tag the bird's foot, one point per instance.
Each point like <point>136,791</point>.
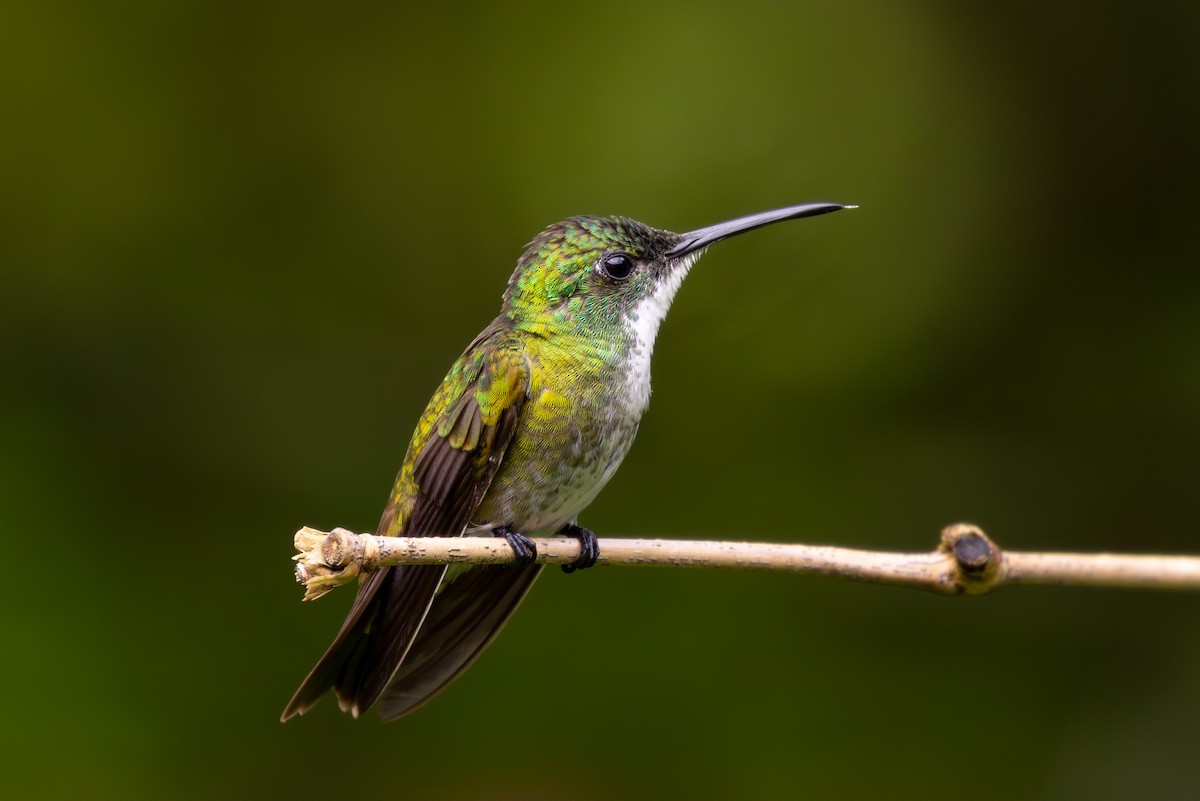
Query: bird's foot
<point>524,551</point>
<point>589,547</point>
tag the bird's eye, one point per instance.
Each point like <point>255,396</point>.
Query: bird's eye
<point>617,266</point>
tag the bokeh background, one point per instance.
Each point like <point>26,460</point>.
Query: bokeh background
<point>243,241</point>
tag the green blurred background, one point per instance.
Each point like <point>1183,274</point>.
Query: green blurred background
<point>243,241</point>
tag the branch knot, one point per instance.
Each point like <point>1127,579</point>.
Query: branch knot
<point>978,562</point>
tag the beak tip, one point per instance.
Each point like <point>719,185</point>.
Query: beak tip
<point>695,240</point>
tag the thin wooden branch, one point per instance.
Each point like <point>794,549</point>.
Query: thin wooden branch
<point>966,561</point>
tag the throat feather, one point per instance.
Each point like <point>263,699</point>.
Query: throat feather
<point>642,328</point>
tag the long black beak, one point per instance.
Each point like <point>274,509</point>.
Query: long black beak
<point>694,240</point>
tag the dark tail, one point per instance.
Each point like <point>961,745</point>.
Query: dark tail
<point>468,613</point>
<point>371,645</point>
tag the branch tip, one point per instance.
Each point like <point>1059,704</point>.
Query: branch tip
<point>324,563</point>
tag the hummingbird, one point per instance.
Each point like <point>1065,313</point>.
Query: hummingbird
<point>527,427</point>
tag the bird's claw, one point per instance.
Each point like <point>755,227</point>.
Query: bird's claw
<point>589,547</point>
<point>524,550</point>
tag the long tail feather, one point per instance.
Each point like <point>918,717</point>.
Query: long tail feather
<point>469,612</point>
<point>377,633</point>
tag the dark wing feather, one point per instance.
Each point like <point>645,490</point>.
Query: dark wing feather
<point>398,600</point>
<point>467,614</point>
<point>458,447</point>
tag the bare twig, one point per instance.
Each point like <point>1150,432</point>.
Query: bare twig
<point>965,561</point>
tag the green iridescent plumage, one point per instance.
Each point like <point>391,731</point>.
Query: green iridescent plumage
<point>524,431</point>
